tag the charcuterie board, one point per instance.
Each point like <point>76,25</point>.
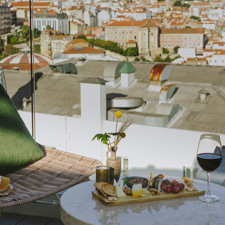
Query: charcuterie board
<point>130,199</point>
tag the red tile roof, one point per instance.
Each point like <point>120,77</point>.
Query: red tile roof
<point>84,50</point>
<point>127,23</point>
<point>26,4</point>
<point>182,31</point>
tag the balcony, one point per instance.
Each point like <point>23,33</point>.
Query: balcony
<point>148,145</point>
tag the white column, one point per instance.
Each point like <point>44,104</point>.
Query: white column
<point>93,113</point>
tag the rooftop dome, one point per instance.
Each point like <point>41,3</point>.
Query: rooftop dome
<point>22,60</point>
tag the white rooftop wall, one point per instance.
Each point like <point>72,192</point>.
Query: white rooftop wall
<point>148,149</point>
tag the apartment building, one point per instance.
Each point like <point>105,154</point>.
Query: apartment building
<point>149,39</point>
<point>57,21</point>
<point>22,9</point>
<point>5,19</point>
<point>123,31</point>
<point>53,42</point>
<point>184,37</point>
<point>77,27</point>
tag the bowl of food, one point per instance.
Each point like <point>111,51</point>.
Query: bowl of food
<point>130,181</point>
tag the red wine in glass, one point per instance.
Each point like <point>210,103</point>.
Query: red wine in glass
<point>209,157</point>
<point>209,161</point>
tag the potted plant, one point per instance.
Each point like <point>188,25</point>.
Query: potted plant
<point>106,139</point>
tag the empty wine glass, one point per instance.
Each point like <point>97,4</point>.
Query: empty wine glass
<point>209,157</point>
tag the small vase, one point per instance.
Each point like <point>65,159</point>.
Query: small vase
<point>114,163</point>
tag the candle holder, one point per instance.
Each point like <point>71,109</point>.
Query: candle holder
<point>103,174</point>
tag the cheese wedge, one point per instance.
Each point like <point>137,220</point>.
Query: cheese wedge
<point>119,192</point>
<point>121,184</point>
<point>145,192</point>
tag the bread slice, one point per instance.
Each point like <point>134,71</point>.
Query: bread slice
<point>98,185</point>
<point>109,190</point>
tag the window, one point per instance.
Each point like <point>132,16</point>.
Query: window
<point>164,38</point>
<point>135,37</point>
<point>168,45</point>
<point>172,45</point>
<point>177,38</point>
<point>172,38</point>
<point>164,45</point>
<point>130,32</point>
<point>168,38</point>
<point>189,38</point>
<point>180,38</point>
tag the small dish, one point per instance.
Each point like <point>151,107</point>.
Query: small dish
<point>137,180</point>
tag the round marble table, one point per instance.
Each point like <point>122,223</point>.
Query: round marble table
<point>79,207</point>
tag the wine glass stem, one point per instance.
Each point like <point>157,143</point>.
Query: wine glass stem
<point>208,184</point>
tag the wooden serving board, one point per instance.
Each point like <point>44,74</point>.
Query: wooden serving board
<point>130,199</point>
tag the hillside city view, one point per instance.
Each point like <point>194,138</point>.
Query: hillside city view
<point>68,66</point>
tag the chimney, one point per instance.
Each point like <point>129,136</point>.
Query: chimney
<point>127,75</point>
<point>93,112</point>
<point>93,99</point>
<point>203,95</point>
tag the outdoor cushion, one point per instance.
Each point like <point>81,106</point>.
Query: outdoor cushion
<point>17,147</point>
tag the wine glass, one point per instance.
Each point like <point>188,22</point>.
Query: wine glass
<point>209,157</point>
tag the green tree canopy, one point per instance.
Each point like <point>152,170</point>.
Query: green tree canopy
<point>195,18</point>
<point>186,5</point>
<point>13,40</point>
<point>10,50</point>
<point>48,27</point>
<point>82,37</point>
<point>177,3</point>
<point>175,49</point>
<point>165,51</point>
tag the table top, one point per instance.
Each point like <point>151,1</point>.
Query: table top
<point>78,206</point>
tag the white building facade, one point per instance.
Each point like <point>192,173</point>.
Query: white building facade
<point>57,21</point>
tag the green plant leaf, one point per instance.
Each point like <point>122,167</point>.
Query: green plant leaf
<point>104,138</point>
<point>125,180</point>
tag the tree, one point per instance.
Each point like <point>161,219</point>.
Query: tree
<point>175,49</point>
<point>186,5</point>
<point>131,52</point>
<point>10,50</point>
<point>13,40</point>
<point>177,3</point>
<point>195,18</point>
<point>187,27</point>
<point>136,59</point>
<point>158,59</point>
<point>82,37</point>
<point>165,51</point>
<point>48,27</point>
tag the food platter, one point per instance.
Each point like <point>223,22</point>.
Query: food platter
<point>157,189</point>
<point>147,198</point>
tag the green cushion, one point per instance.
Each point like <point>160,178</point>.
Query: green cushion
<point>17,147</point>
